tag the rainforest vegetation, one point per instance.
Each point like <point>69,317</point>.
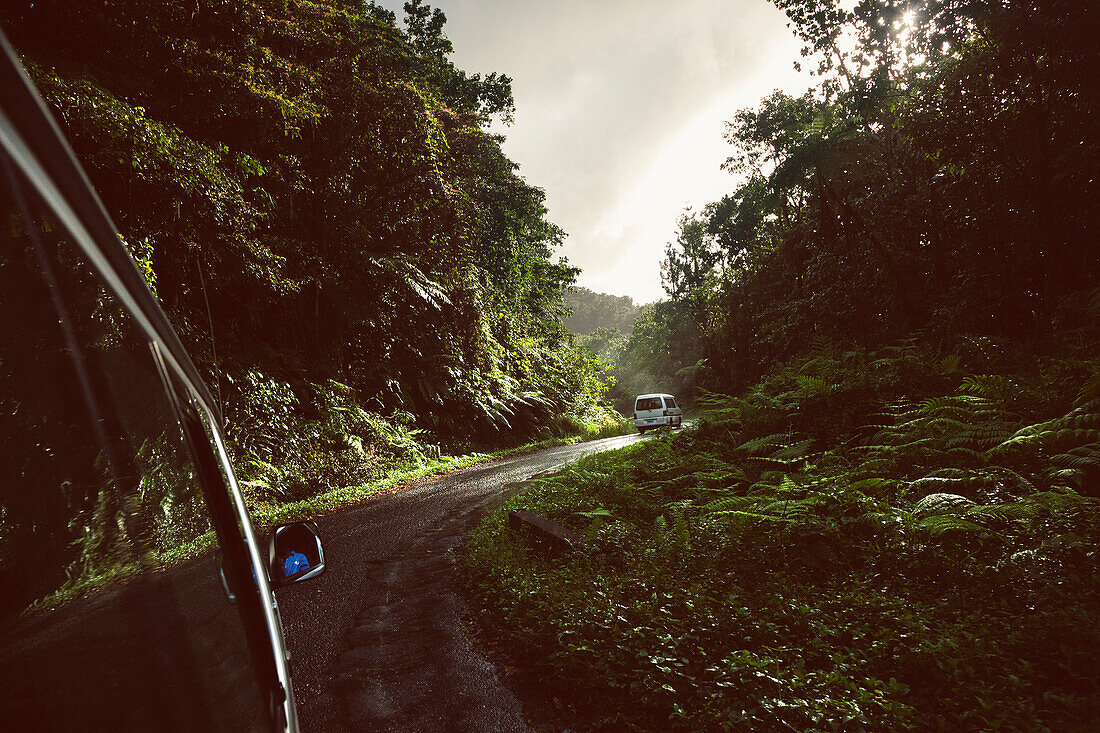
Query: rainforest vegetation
<point>887,515</point>
<point>312,191</point>
<point>590,311</point>
<point>625,338</point>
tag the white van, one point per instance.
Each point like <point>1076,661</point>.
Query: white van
<point>655,410</point>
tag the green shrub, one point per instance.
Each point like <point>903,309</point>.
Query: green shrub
<point>833,551</point>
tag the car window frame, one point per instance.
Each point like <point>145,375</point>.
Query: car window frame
<point>32,142</point>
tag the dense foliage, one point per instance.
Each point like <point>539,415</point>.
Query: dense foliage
<point>887,518</point>
<point>313,194</point>
<point>662,353</point>
<point>940,180</point>
<point>867,541</point>
<point>590,311</point>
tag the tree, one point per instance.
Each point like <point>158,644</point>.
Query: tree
<point>939,178</point>
<point>326,182</point>
<point>592,312</point>
<point>691,259</point>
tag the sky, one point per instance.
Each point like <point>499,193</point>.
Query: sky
<point>620,111</point>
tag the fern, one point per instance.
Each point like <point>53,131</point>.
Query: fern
<point>1072,438</point>
<point>681,532</point>
<point>1081,457</point>
<point>1034,437</point>
<point>751,515</point>
<point>939,524</point>
<point>766,441</point>
<point>949,364</point>
<point>941,504</point>
<point>792,451</point>
<point>719,479</point>
<point>986,514</point>
<point>814,385</point>
<point>799,510</point>
<point>991,386</point>
<point>1053,503</point>
<point>728,504</point>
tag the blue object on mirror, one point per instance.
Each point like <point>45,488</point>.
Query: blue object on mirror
<point>295,563</point>
<point>294,553</point>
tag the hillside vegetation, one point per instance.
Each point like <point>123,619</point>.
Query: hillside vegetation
<point>888,515</point>
<point>312,193</point>
<point>621,335</point>
<point>866,541</point>
<point>591,311</point>
<point>939,181</point>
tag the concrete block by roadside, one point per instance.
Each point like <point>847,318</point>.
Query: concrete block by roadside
<point>541,534</point>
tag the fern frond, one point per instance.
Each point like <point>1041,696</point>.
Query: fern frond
<point>756,444</point>
<point>814,384</point>
<point>1000,513</point>
<point>939,524</point>
<point>949,364</point>
<point>1034,436</point>
<point>941,504</point>
<point>792,451</point>
<point>989,385</point>
<point>729,503</point>
<point>877,520</point>
<point>750,515</point>
<point>720,479</point>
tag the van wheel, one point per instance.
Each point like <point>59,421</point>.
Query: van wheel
<point>641,431</point>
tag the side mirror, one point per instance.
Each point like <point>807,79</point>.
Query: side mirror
<point>294,554</point>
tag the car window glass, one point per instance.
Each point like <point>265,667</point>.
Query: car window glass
<point>113,612</point>
<point>649,403</point>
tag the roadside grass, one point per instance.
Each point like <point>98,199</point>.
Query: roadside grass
<point>611,427</point>
<point>884,544</point>
<point>292,463</point>
<point>265,514</point>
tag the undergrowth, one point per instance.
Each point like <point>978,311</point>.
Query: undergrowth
<point>296,456</point>
<point>320,447</point>
<point>868,541</point>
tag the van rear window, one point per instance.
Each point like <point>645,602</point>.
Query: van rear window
<point>648,403</point>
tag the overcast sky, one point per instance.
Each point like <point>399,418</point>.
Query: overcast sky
<point>620,110</point>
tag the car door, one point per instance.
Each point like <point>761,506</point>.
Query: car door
<point>114,615</point>
<point>673,410</point>
<point>648,411</point>
<point>134,595</point>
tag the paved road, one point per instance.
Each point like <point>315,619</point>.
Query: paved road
<point>375,641</point>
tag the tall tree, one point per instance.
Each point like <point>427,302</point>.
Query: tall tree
<point>691,259</point>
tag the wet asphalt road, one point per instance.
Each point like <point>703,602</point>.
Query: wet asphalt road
<point>376,641</point>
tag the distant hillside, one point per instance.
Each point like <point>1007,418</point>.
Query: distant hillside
<point>592,310</point>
